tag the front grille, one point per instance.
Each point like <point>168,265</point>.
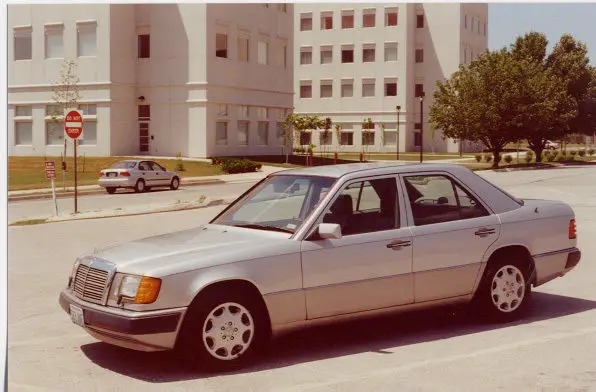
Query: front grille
<point>90,283</point>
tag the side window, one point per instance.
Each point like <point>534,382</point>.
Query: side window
<point>144,166</point>
<point>156,166</point>
<point>436,199</point>
<point>365,207</point>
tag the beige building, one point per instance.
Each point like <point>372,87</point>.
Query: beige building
<point>356,61</point>
<point>161,79</point>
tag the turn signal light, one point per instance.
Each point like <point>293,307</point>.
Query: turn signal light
<point>125,174</point>
<point>148,290</point>
<point>572,230</point>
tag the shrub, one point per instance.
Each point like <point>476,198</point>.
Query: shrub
<point>561,157</point>
<point>488,158</point>
<point>179,163</point>
<point>478,157</point>
<point>546,154</point>
<point>591,152</point>
<point>529,156</point>
<point>573,153</point>
<point>508,158</point>
<point>233,165</point>
<point>581,153</point>
<point>551,157</point>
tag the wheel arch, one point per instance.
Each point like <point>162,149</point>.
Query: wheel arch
<point>511,250</point>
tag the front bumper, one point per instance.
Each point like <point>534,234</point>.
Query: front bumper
<point>144,331</point>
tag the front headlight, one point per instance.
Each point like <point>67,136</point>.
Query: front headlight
<point>134,288</point>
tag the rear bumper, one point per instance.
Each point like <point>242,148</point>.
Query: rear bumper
<point>144,331</point>
<point>116,182</point>
<point>552,265</point>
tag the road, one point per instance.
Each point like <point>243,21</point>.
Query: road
<point>31,209</point>
<point>552,349</point>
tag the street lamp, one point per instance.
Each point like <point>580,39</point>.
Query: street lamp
<point>421,97</point>
<point>398,108</point>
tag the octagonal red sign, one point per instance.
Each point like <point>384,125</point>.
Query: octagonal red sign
<point>73,124</point>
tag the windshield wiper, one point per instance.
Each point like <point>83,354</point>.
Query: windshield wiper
<point>263,227</point>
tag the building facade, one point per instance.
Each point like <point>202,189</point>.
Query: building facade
<point>160,79</point>
<point>360,61</point>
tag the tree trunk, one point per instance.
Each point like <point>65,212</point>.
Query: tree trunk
<point>496,158</point>
<point>538,153</point>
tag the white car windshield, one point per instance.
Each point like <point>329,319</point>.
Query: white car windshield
<point>279,203</point>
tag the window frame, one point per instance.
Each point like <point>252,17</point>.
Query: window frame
<point>143,46</point>
<point>225,53</point>
<point>19,34</point>
<point>419,56</point>
<point>82,28</point>
<point>306,16</point>
<point>390,11</point>
<point>368,12</point>
<point>53,30</point>
<point>17,139</point>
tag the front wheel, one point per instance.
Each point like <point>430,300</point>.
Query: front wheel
<point>224,331</point>
<point>504,291</point>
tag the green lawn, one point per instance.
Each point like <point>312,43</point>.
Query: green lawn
<point>28,172</point>
<point>403,156</point>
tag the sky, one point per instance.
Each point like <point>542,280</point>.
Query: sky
<point>508,20</point>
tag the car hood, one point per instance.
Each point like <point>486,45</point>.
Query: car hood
<point>202,247</point>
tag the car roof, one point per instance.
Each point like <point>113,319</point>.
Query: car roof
<point>371,168</point>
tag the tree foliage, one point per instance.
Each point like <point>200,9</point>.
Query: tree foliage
<point>295,123</point>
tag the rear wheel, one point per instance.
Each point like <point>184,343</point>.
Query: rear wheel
<point>504,291</point>
<point>224,330</point>
<point>175,183</point>
<point>140,186</point>
<point>111,190</point>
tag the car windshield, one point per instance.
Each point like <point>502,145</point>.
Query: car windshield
<point>279,203</point>
<point>124,165</point>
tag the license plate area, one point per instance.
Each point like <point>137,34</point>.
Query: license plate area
<point>77,316</point>
<point>112,174</point>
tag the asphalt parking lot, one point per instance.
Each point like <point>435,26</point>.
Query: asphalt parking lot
<point>552,349</point>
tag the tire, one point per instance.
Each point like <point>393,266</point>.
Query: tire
<point>206,342</point>
<point>140,186</point>
<point>111,190</point>
<point>504,291</point>
<point>175,183</point>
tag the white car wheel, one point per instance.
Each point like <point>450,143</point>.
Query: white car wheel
<point>175,183</point>
<point>228,331</point>
<point>140,186</point>
<point>508,288</point>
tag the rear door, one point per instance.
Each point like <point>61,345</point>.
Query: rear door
<point>160,175</point>
<point>452,229</point>
<point>144,173</point>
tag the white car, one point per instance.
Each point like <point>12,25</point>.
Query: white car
<point>319,244</point>
<point>140,175</point>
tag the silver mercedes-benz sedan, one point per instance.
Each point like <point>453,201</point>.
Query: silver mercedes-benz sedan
<point>140,175</point>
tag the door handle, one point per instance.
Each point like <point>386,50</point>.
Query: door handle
<point>398,244</point>
<point>485,232</point>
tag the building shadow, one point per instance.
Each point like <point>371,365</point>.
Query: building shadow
<point>336,340</point>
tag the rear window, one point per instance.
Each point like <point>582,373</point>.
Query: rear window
<point>124,165</point>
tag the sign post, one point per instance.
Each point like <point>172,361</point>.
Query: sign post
<point>51,175</point>
<point>73,126</point>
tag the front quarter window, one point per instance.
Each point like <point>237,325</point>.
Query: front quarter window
<point>279,203</point>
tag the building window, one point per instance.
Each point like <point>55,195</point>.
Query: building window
<point>419,21</point>
<point>327,21</point>
<point>221,45</point>
<point>416,125</point>
<point>263,53</point>
<point>243,133</point>
<point>368,54</point>
<point>263,133</point>
<point>325,138</point>
<point>391,88</point>
<point>89,136</point>
<point>262,112</point>
<point>87,39</point>
<point>88,109</point>
<point>391,51</point>
<point>23,133</point>
<point>368,18</point>
<point>326,88</point>
<point>465,55</point>
<point>390,136</point>
<point>347,138</point>
<point>306,90</point>
<point>347,19</point>
<point>419,55</point>
<point>54,111</point>
<point>221,133</point>
<point>144,43</point>
<point>223,110</point>
<point>465,21</point>
<point>283,7</point>
<point>391,17</point>
<point>417,138</point>
<point>347,88</point>
<point>484,29</point>
<point>23,111</point>
<point>54,44</point>
<point>54,133</point>
<point>284,56</point>
<point>144,112</point>
<point>368,87</point>
<point>22,44</point>
<point>368,138</point>
<point>243,111</point>
<point>306,22</point>
<point>326,54</point>
<point>347,55</point>
<point>305,56</point>
<point>418,89</point>
<point>305,138</point>
<point>243,45</point>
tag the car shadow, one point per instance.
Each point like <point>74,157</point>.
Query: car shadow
<point>336,340</point>
<point>126,191</point>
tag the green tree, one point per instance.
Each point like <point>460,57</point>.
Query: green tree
<point>294,124</point>
<point>478,102</point>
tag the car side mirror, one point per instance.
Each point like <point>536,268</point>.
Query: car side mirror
<point>329,231</point>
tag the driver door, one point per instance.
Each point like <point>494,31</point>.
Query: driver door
<point>370,266</point>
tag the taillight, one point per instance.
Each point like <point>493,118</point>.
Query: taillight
<point>125,174</point>
<point>101,174</point>
<point>572,230</point>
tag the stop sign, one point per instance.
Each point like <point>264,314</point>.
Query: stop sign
<point>73,124</point>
